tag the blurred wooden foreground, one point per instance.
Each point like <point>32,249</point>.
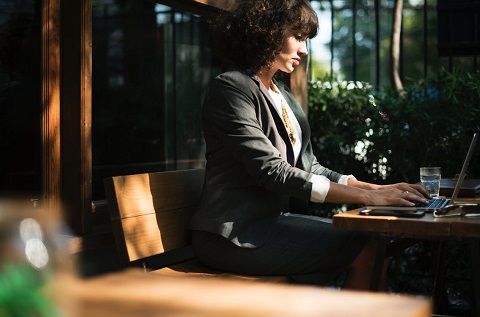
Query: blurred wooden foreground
<point>136,293</point>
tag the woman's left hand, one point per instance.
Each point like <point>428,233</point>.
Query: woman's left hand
<point>410,188</point>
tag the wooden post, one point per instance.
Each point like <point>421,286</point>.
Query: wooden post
<point>51,171</point>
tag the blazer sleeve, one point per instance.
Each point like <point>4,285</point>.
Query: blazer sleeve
<point>319,169</point>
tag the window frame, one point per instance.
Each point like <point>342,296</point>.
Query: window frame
<point>67,108</point>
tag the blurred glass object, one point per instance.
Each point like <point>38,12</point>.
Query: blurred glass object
<point>33,259</point>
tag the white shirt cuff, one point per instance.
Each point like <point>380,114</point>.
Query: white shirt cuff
<point>320,187</point>
<point>344,179</point>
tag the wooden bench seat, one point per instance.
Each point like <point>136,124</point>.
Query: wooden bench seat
<point>150,214</point>
<point>134,293</point>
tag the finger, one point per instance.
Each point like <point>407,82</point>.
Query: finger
<point>420,191</point>
<point>406,202</point>
<point>416,189</point>
<point>413,197</point>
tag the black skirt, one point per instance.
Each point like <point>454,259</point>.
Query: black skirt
<point>305,248</point>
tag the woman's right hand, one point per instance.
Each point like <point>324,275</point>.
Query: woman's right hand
<point>394,196</point>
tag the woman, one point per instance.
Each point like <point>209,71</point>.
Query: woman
<point>261,171</point>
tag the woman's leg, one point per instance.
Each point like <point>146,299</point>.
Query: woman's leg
<point>297,245</point>
<point>360,272</point>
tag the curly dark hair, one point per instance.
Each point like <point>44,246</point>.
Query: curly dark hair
<point>251,35</point>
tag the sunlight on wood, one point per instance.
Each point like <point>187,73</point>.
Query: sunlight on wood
<point>134,293</point>
<point>134,200</point>
<point>51,105</point>
<point>150,212</point>
<point>134,196</point>
<point>142,237</point>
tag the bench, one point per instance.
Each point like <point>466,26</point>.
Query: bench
<point>150,213</point>
<point>134,293</point>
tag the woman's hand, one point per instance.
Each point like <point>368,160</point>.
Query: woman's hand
<point>398,194</point>
<point>358,192</point>
<point>411,188</point>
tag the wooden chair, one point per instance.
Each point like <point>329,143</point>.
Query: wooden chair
<point>150,214</point>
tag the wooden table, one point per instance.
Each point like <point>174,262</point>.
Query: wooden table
<point>427,227</point>
<point>136,293</point>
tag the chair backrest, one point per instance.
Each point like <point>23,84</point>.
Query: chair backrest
<point>150,212</point>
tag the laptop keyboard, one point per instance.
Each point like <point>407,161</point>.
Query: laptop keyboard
<point>435,203</point>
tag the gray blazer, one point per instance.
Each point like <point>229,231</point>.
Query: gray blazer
<point>250,178</point>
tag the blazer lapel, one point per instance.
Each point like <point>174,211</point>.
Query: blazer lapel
<point>278,120</point>
<point>301,118</point>
<point>299,115</point>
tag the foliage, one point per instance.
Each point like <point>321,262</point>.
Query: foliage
<point>412,272</point>
<point>340,113</point>
<point>357,38</point>
<point>432,126</point>
<point>21,293</point>
<point>380,137</point>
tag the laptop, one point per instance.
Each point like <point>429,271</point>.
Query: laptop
<point>439,203</point>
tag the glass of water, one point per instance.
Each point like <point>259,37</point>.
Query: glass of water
<point>430,179</point>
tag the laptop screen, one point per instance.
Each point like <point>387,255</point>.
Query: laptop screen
<point>463,172</point>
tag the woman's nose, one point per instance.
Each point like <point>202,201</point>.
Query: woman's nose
<point>302,50</point>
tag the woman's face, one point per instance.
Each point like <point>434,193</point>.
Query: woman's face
<point>294,48</point>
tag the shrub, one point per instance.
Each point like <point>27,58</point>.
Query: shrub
<point>381,137</point>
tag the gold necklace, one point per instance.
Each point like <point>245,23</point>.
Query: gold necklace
<point>286,119</point>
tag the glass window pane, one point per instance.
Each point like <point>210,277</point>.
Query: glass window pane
<point>20,96</point>
<point>151,67</point>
